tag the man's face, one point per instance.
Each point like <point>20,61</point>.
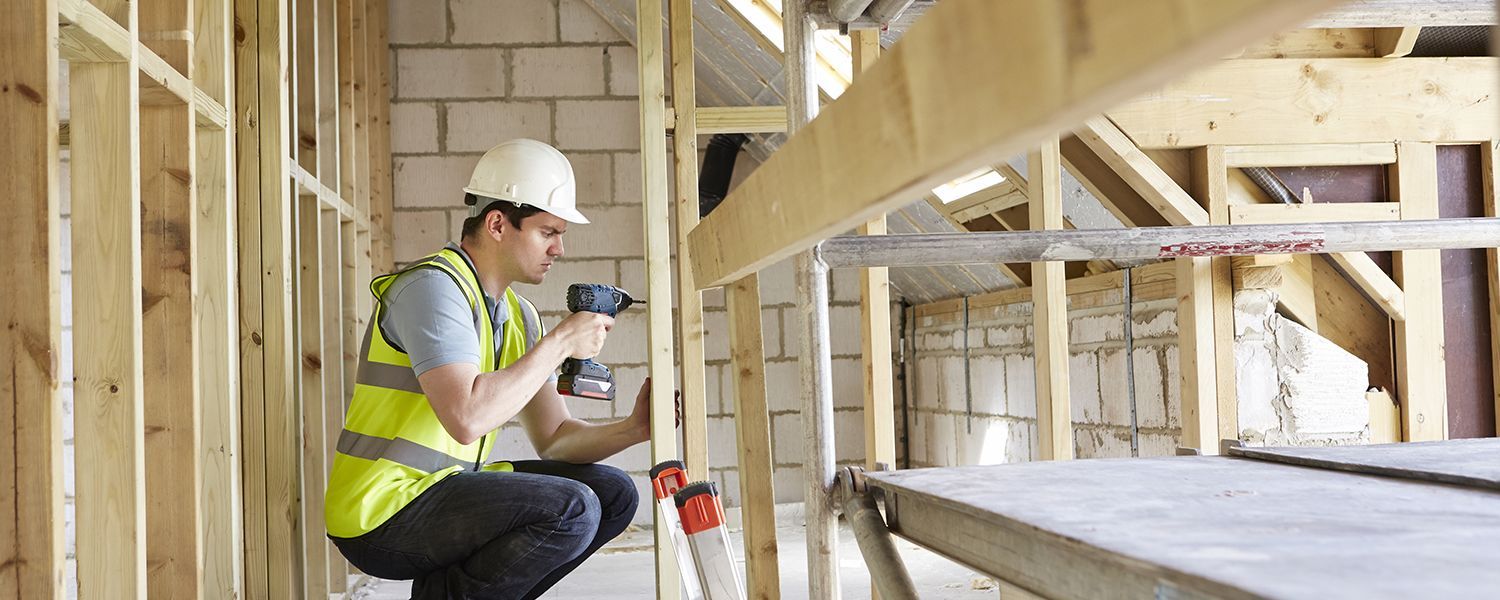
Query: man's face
<point>534,246</point>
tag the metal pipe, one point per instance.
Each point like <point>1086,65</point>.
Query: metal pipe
<point>817,363</point>
<point>933,249</point>
<point>882,559</point>
<point>845,11</point>
<point>885,11</point>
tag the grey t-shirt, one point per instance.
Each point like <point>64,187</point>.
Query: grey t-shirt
<point>428,316</point>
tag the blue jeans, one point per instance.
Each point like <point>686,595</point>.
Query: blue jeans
<point>496,534</point>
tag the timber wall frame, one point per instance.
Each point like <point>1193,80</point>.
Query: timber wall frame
<point>1052,75</point>
<point>229,200</point>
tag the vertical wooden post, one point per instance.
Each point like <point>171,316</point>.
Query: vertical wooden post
<point>331,361</point>
<point>812,300</point>
<point>1195,347</point>
<point>248,180</point>
<point>360,67</point>
<point>655,207</point>
<point>217,329</point>
<point>1049,309</point>
<point>327,168</point>
<point>314,432</point>
<point>1211,188</point>
<point>349,134</point>
<point>379,209</point>
<point>689,299</point>
<point>169,262</point>
<point>1489,169</point>
<point>108,388</point>
<point>752,420</point>
<point>1421,378</point>
<point>875,311</point>
<point>31,478</point>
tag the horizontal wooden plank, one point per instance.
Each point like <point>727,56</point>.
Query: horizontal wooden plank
<point>924,114</point>
<point>1406,13</point>
<point>1268,214</point>
<point>1151,282</point>
<point>1236,528</point>
<point>1472,462</point>
<point>308,185</point>
<point>1309,155</point>
<point>741,119</point>
<point>210,113</point>
<point>1319,101</point>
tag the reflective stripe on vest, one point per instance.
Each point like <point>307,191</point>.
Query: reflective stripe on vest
<point>393,447</point>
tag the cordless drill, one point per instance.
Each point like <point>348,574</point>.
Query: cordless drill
<point>586,378</point>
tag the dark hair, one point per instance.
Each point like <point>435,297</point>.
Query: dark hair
<point>515,213</point>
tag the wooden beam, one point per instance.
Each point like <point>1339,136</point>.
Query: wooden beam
<point>689,299</point>
<point>1266,214</point>
<point>1405,13</point>
<point>1489,170</point>
<point>1109,188</point>
<point>1394,42</point>
<point>349,183</point>
<point>875,315</point>
<point>108,379</point>
<point>1373,282</point>
<point>359,65</point>
<point>1049,309</point>
<point>1196,364</point>
<point>315,440</point>
<point>305,79</point>
<point>1421,375</point>
<point>1211,187</point>
<point>940,95</point>
<point>1310,155</point>
<point>740,119</point>
<point>752,422</point>
<point>656,208</point>
<point>1141,173</point>
<point>1272,101</point>
<point>32,563</point>
<point>1156,281</point>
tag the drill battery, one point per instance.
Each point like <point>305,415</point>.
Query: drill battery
<point>586,379</point>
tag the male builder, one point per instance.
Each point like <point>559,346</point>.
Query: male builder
<point>452,354</point>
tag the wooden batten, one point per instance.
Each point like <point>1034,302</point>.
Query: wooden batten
<point>875,316</point>
<point>379,208</point>
<point>753,436</point>
<point>331,363</point>
<point>1421,377</point>
<point>1211,187</point>
<point>1489,169</point>
<point>311,388</point>
<point>689,300</point>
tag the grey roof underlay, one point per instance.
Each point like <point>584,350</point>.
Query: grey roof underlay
<point>734,70</point>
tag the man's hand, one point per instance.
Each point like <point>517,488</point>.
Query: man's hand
<point>582,333</point>
<point>640,418</point>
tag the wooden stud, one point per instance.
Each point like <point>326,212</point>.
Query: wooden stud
<point>935,115</point>
<point>1406,13</point>
<point>315,441</point>
<point>360,67</point>
<point>331,363</point>
<point>1113,192</point>
<point>1373,282</point>
<point>1489,169</point>
<point>689,299</point>
<point>753,433</point>
<point>1196,363</point>
<point>248,180</point>
<point>649,53</point>
<point>1211,186</point>
<point>875,313</point>
<point>222,537</point>
<point>378,103</point>
<point>1269,101</point>
<point>108,379</point>
<point>306,101</point>
<point>1421,376</point>
<point>1049,304</point>
<point>32,562</point>
<point>1309,155</point>
<point>349,133</point>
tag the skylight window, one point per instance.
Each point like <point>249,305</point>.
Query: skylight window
<point>968,184</point>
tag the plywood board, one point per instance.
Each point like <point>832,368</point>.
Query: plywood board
<point>1472,462</point>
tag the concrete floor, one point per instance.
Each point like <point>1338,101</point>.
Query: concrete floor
<point>624,569</point>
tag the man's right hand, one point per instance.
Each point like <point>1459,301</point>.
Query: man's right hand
<point>582,333</point>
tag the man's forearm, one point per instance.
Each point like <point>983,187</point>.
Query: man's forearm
<point>580,442</point>
<point>497,396</point>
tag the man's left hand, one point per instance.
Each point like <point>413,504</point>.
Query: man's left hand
<point>641,416</point>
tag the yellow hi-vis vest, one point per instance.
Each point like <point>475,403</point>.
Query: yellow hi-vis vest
<point>393,447</point>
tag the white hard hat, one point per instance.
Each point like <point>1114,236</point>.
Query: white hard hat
<point>526,172</point>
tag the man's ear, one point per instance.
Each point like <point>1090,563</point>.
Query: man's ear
<point>495,224</point>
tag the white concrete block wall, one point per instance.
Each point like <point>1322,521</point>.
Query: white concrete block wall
<point>1294,387</point>
<point>481,71</point>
